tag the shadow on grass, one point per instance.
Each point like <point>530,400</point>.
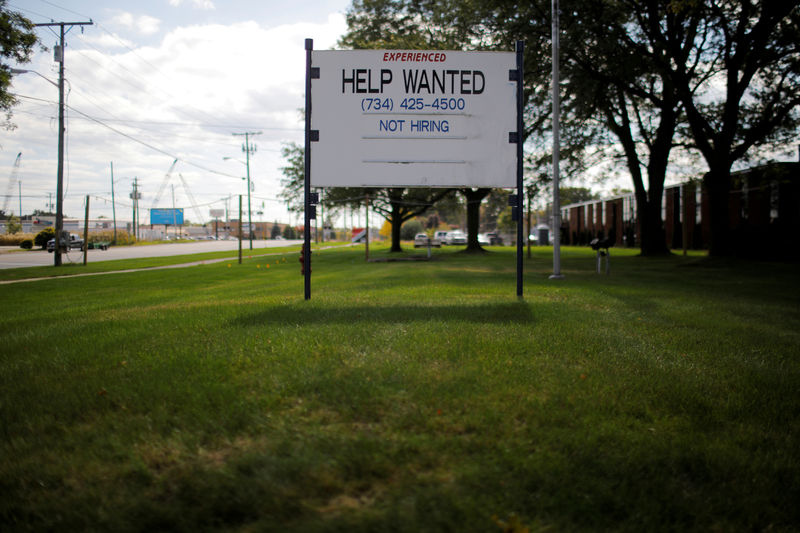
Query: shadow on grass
<point>516,312</point>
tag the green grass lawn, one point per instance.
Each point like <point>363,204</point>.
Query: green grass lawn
<point>408,397</point>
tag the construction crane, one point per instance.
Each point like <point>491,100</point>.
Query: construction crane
<point>164,184</point>
<point>12,181</point>
<point>191,199</point>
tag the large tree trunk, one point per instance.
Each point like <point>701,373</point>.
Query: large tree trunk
<point>474,198</point>
<point>718,187</point>
<point>648,202</point>
<point>651,229</point>
<point>397,222</point>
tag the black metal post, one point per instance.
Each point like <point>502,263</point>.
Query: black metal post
<point>307,177</point>
<point>520,140</point>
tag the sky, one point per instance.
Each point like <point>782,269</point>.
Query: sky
<point>157,80</point>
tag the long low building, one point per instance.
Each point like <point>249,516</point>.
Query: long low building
<point>764,213</point>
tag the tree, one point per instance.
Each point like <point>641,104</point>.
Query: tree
<point>17,40</point>
<point>603,92</point>
<point>576,195</point>
<point>275,231</point>
<point>289,232</point>
<point>397,205</point>
<point>612,99</point>
<point>12,224</point>
<point>740,85</point>
<point>474,197</point>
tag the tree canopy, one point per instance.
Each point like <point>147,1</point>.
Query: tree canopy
<point>719,77</point>
<point>17,40</point>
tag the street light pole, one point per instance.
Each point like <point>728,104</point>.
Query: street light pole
<point>247,149</point>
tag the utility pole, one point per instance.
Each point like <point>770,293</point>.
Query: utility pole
<point>59,56</point>
<point>113,205</point>
<point>174,222</point>
<point>86,233</point>
<point>135,195</point>
<point>247,149</point>
<point>228,215</point>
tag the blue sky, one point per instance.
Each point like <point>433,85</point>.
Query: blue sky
<point>156,80</point>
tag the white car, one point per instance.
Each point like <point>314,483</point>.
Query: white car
<point>421,240</point>
<point>440,236</point>
<point>456,237</point>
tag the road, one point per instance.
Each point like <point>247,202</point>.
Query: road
<point>16,258</point>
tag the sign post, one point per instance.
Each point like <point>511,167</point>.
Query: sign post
<point>413,118</point>
<point>307,177</point>
<point>520,138</point>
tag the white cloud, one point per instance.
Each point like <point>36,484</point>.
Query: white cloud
<point>144,24</point>
<point>106,40</point>
<point>199,4</point>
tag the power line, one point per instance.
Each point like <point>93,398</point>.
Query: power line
<point>65,9</point>
<point>132,138</point>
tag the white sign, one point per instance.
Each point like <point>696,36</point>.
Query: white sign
<point>217,213</point>
<point>413,119</point>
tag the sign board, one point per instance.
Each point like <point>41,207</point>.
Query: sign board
<point>166,216</point>
<point>217,213</point>
<point>413,119</point>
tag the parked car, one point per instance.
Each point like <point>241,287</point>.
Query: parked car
<point>440,236</point>
<point>456,237</point>
<point>483,240</point>
<point>494,239</point>
<point>73,243</point>
<point>422,240</point>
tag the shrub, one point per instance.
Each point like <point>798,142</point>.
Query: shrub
<point>410,229</point>
<point>15,239</point>
<point>43,236</point>
<point>27,244</point>
<point>123,237</point>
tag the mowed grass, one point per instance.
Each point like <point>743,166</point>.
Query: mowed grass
<point>409,396</point>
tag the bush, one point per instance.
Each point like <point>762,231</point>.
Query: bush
<point>15,239</point>
<point>123,237</point>
<point>410,229</point>
<point>43,236</point>
<point>27,244</point>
